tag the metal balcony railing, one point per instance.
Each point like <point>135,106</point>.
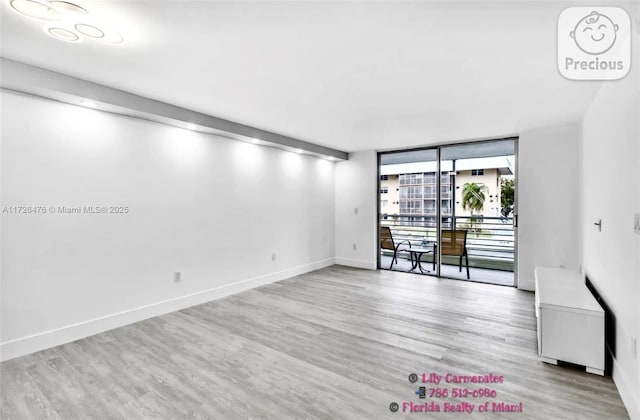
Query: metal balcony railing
<point>490,240</point>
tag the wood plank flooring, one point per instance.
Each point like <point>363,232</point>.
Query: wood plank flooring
<point>337,343</point>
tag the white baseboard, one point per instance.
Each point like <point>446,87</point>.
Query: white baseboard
<point>629,398</point>
<point>350,262</point>
<point>44,340</point>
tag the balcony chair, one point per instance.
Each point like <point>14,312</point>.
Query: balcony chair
<point>454,242</point>
<point>387,242</point>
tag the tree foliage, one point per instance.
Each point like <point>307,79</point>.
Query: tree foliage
<point>473,197</point>
<point>507,197</point>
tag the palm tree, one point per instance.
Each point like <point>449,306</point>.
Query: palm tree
<point>473,199</point>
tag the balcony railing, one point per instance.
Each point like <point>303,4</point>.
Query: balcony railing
<point>445,195</point>
<point>490,240</point>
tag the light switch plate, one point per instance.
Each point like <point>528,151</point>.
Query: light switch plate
<point>636,223</point>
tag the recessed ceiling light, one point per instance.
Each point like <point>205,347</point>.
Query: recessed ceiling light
<point>69,7</point>
<point>89,104</point>
<point>255,141</point>
<point>298,150</point>
<point>191,126</point>
<point>35,9</point>
<point>331,158</point>
<point>89,30</point>
<point>63,34</point>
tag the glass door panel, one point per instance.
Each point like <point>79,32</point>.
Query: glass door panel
<point>477,233</point>
<point>408,211</point>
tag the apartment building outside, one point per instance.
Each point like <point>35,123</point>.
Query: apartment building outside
<point>410,198</point>
<point>390,194</point>
<point>489,179</point>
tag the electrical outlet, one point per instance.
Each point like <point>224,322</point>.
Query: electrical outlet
<point>177,276</point>
<point>636,223</point>
<point>355,246</point>
<point>355,210</point>
<point>273,257</point>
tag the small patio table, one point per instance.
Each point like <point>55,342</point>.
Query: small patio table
<point>416,253</point>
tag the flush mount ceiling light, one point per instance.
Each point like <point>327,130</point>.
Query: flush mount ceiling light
<point>63,34</point>
<point>75,20</point>
<point>69,7</point>
<point>89,30</point>
<point>35,9</point>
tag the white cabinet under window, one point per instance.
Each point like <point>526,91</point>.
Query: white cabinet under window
<point>570,320</point>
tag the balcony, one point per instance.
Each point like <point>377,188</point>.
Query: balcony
<point>490,244</point>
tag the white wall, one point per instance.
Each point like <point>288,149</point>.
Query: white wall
<point>356,188</point>
<point>548,205</point>
<point>214,209</point>
<point>610,191</point>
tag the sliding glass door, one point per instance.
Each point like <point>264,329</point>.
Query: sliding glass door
<point>450,210</point>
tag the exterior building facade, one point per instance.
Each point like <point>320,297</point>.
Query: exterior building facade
<point>419,199</point>
<point>411,198</point>
<point>489,179</point>
<point>390,194</point>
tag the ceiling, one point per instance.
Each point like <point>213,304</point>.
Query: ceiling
<point>352,76</point>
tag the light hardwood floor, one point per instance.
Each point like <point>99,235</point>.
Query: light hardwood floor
<point>337,343</point>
